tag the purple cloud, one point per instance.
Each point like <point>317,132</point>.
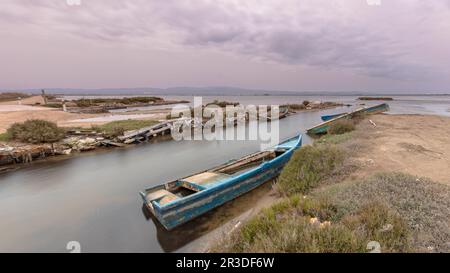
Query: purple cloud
<point>395,40</point>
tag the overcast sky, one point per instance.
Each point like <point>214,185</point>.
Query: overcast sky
<point>299,45</point>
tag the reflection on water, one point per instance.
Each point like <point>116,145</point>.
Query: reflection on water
<point>192,230</point>
<point>93,198</point>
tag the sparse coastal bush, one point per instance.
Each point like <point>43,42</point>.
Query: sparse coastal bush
<point>223,103</point>
<point>424,204</point>
<point>333,139</point>
<point>9,96</point>
<point>126,101</point>
<point>307,167</point>
<point>375,98</point>
<point>377,222</point>
<point>341,127</point>
<point>304,224</point>
<point>5,137</point>
<point>295,107</point>
<point>36,131</point>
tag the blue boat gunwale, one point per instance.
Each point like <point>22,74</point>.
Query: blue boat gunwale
<point>330,117</point>
<point>225,183</point>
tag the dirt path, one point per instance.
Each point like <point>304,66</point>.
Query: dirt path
<point>413,144</point>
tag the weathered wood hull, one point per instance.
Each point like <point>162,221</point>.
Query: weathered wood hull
<point>177,212</point>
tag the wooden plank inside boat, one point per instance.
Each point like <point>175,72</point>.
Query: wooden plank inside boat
<point>163,196</point>
<point>244,162</point>
<point>205,177</point>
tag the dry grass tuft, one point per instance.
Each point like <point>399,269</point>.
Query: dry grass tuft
<point>308,167</point>
<point>424,204</point>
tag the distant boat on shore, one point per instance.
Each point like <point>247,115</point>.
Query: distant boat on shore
<point>376,98</point>
<point>322,128</point>
<point>179,201</point>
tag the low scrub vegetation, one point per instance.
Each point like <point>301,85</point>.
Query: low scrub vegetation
<point>35,131</point>
<point>5,137</point>
<point>9,96</point>
<point>341,127</point>
<point>117,128</point>
<point>125,101</point>
<point>307,167</point>
<point>333,139</point>
<point>375,98</point>
<point>223,103</point>
<point>303,224</point>
<point>424,204</point>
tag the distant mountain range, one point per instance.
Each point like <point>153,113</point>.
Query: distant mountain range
<point>208,91</point>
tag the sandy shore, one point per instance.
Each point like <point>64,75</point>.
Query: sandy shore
<point>13,111</point>
<point>61,118</point>
<point>413,144</point>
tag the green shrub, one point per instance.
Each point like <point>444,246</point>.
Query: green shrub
<point>424,204</point>
<point>53,105</point>
<point>36,131</point>
<point>127,101</point>
<point>223,104</point>
<point>333,139</point>
<point>9,96</point>
<point>295,107</point>
<point>307,167</point>
<point>378,223</point>
<point>287,227</point>
<point>5,137</point>
<point>341,127</point>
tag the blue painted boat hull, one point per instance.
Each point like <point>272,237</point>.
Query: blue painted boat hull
<point>328,117</point>
<point>322,128</point>
<point>185,209</point>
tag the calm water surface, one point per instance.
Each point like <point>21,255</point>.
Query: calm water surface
<point>93,198</point>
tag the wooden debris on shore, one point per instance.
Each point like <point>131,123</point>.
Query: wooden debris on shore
<point>108,142</point>
<point>24,153</point>
<point>147,132</point>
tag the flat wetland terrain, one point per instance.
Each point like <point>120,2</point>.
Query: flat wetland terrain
<point>388,181</point>
<point>413,144</point>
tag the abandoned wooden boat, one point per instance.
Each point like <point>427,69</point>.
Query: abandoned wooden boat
<point>322,128</point>
<point>179,201</point>
<point>284,111</point>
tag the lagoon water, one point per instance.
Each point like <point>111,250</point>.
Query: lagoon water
<point>93,198</point>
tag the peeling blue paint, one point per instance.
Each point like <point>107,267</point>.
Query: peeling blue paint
<point>181,210</point>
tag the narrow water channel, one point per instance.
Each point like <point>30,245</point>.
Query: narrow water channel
<point>93,198</point>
